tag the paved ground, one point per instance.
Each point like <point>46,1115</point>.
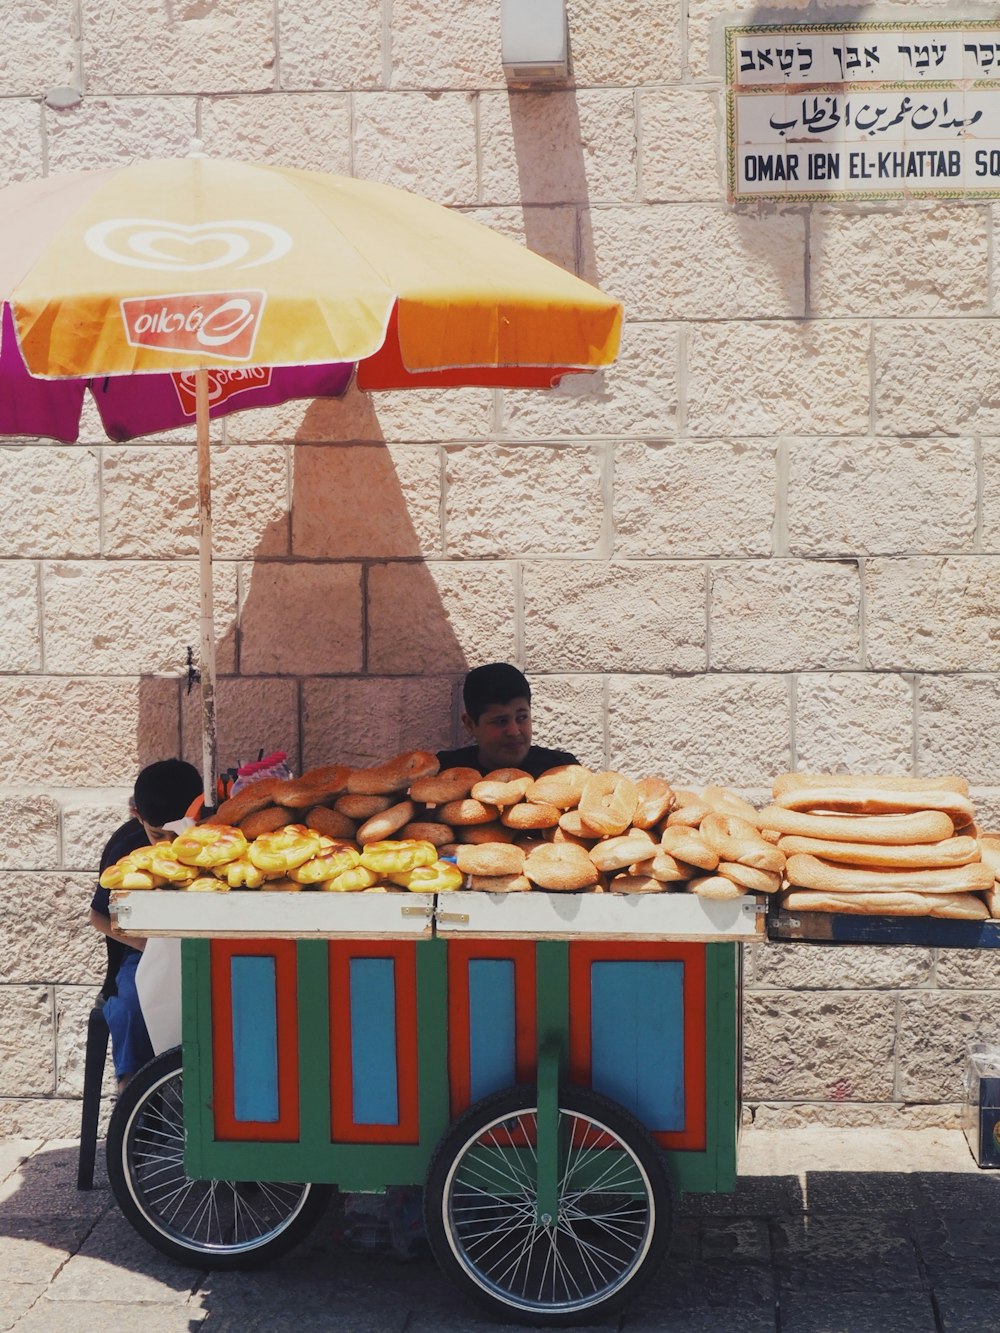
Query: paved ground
<point>829,1232</point>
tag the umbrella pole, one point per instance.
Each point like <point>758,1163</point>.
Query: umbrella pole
<point>208,730</point>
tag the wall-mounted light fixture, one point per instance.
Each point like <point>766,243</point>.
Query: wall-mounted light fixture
<point>534,41</point>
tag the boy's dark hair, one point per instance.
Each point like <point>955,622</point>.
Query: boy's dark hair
<point>164,790</point>
<point>496,683</point>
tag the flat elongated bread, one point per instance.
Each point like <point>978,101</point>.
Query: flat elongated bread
<point>894,782</point>
<point>926,826</point>
<point>966,906</point>
<point>913,856</point>
<point>876,800</point>
<point>809,872</point>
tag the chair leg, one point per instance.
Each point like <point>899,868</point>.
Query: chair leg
<point>93,1079</point>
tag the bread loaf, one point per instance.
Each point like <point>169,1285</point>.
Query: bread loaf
<point>963,906</point>
<point>809,872</point>
<point>915,856</point>
<point>876,800</point>
<point>925,826</point>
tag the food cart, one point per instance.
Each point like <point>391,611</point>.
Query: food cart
<point>552,1067</point>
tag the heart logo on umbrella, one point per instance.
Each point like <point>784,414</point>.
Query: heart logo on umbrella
<point>179,247</point>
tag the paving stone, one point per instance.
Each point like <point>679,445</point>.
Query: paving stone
<point>968,1310</point>
<point>16,1298</point>
<point>845,1253</point>
<point>114,1263</point>
<point>874,1311</point>
<point>48,1315</point>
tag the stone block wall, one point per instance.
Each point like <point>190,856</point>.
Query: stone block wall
<point>768,537</point>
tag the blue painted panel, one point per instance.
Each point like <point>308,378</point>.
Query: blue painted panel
<point>492,1045</point>
<point>637,1038</point>
<point>255,1039</point>
<point>373,1041</point>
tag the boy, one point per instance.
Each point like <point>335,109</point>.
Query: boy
<point>163,792</point>
<point>497,718</point>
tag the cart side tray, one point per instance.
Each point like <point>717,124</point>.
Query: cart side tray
<point>569,916</point>
<point>243,914</point>
<point>924,931</point>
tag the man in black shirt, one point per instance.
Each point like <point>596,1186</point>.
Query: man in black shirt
<point>497,717</point>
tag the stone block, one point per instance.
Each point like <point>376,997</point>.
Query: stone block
<point>550,499</point>
<point>249,501</point>
<point>683,152</point>
<point>113,131</point>
<point>97,617</point>
<point>900,260</point>
<point>445,46</point>
<point>86,827</point>
<point>437,616</point>
<point>40,48</point>
<point>329,46</point>
<point>929,613</point>
<point>33,832</point>
<point>300,619</point>
<point>652,257</point>
<point>252,713</point>
<point>389,126</point>
<point>937,377</point>
<point>372,502</point>
<point>142,46</point>
<point>785,615</point>
<point>987,802</point>
<point>895,1116</point>
<point>558,147</point>
<point>591,616</point>
<point>313,129</point>
<point>20,135</point>
<point>766,378</point>
<point>699,498</point>
<point>568,713</point>
<point>698,730</point>
<point>819,1046</point>
<point>854,722</point>
<point>935,1028</point>
<point>27,1067</point>
<point>72,1009</point>
<point>638,395</point>
<point>990,450</point>
<point>795,967</point>
<point>48,503</point>
<point>958,729</point>
<point>549,231</point>
<point>21,644</point>
<point>46,932</point>
<point>88,732</point>
<point>881,497</point>
<point>969,969</point>
<point>365,721</point>
<point>625,44</point>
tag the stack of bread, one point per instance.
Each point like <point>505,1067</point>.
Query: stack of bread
<point>880,845</point>
<point>405,824</point>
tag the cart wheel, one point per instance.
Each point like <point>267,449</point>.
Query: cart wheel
<point>614,1208</point>
<point>207,1223</point>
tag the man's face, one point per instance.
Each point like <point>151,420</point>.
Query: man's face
<point>503,733</point>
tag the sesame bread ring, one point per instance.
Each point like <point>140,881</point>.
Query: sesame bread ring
<point>355,880</point>
<point>656,796</point>
<point>571,823</point>
<point>267,821</point>
<point>209,845</point>
<point>441,877</point>
<point>386,823</point>
<point>726,802</point>
<point>394,775</point>
<point>490,858</point>
<point>688,813</point>
<point>750,878</point>
<point>494,832</point>
<point>716,887</point>
<point>686,844</point>
<point>207,884</point>
<point>637,884</point>
<point>559,834</point>
<point>669,869</point>
<point>617,853</point>
<point>451,784</point>
<point>503,786</point>
<point>242,874</point>
<point>331,823</point>
<point>530,815</point>
<point>253,797</point>
<point>315,787</point>
<point>736,840</point>
<point>424,831</point>
<point>361,807</point>
<point>284,849</point>
<point>332,860</point>
<point>500,883</point>
<point>467,811</point>
<point>392,858</point>
<point>561,786</point>
<point>560,867</point>
<point>608,802</point>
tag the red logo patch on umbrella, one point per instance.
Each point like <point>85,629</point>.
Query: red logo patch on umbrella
<point>222,324</point>
<point>222,385</point>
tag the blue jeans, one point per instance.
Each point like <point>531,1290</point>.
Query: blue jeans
<point>130,1044</point>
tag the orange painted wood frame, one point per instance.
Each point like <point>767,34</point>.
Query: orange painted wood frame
<point>581,956</point>
<point>343,1126</point>
<point>460,954</point>
<point>286,1128</point>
